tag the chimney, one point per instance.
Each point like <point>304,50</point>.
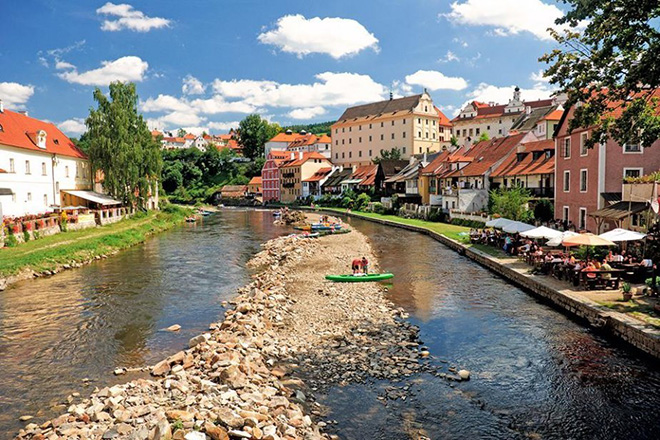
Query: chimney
<point>293,155</point>
<point>23,112</point>
<point>491,104</point>
<point>300,155</point>
<point>528,110</point>
<point>2,107</point>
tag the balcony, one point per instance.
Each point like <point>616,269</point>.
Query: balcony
<point>542,192</point>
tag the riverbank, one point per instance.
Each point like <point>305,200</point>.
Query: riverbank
<point>52,254</point>
<point>243,378</point>
<point>625,325</point>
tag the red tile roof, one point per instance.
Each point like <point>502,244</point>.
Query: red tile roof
<point>297,161</point>
<point>485,154</point>
<point>283,137</point>
<point>485,111</point>
<point>256,180</point>
<point>367,173</point>
<point>319,175</point>
<point>189,136</point>
<point>514,165</point>
<point>553,116</point>
<point>20,131</point>
<point>310,139</point>
<point>444,120</point>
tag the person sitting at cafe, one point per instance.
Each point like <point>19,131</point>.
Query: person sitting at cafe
<point>606,266</point>
<point>646,262</point>
<point>618,258</point>
<point>590,268</point>
<point>596,264</point>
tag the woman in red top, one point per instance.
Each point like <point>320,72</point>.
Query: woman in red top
<point>356,266</point>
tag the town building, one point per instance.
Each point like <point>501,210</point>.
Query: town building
<point>530,165</point>
<point>298,168</point>
<point>406,182</point>
<point>388,169</point>
<point>592,179</point>
<point>38,163</point>
<point>254,186</point>
<point>333,184</point>
<point>270,175</point>
<point>312,186</point>
<point>411,124</point>
<point>363,178</point>
<point>311,142</point>
<point>281,141</point>
<point>498,120</point>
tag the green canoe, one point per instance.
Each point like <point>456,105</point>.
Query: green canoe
<point>359,278</point>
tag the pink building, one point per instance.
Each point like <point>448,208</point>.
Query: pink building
<point>587,180</point>
<point>270,175</point>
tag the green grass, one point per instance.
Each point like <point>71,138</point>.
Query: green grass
<point>643,312</point>
<point>76,246</point>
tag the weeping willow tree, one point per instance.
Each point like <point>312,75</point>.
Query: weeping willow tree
<point>121,146</point>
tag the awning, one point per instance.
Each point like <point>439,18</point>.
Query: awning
<point>620,210</point>
<point>517,227</point>
<point>6,192</point>
<point>498,222</point>
<point>541,232</point>
<point>95,197</point>
<point>622,235</point>
<point>351,181</point>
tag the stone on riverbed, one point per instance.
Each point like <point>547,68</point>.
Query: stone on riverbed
<point>173,328</point>
<point>464,374</point>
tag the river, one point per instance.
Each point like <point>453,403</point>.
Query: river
<point>535,372</point>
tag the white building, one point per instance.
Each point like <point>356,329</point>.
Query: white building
<point>37,163</point>
<point>311,142</point>
<point>281,141</point>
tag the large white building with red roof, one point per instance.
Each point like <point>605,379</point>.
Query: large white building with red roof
<point>37,163</point>
<point>499,120</point>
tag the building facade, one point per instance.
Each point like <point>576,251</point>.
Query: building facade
<point>311,142</point>
<point>497,120</point>
<point>37,163</point>
<point>412,124</point>
<point>270,175</point>
<point>589,179</point>
<point>300,167</point>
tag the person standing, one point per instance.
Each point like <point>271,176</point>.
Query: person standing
<point>365,265</point>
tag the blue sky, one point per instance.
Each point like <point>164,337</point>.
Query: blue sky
<point>206,64</point>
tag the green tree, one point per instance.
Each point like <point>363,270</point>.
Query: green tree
<point>609,61</point>
<point>484,137</point>
<point>510,203</point>
<point>121,145</point>
<point>253,133</point>
<point>82,142</point>
<point>454,141</point>
<point>394,153</point>
<point>544,210</point>
<point>181,132</point>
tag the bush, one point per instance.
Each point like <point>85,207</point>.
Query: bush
<point>346,202</point>
<point>36,235</point>
<point>649,281</point>
<point>378,208</point>
<point>11,241</point>
<point>362,201</point>
<point>26,236</point>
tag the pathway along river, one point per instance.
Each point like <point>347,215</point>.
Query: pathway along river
<point>535,373</point>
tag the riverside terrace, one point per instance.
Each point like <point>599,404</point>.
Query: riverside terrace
<point>585,270</point>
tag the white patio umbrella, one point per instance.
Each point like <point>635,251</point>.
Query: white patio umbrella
<point>514,227</point>
<point>498,223</point>
<point>541,232</point>
<point>556,241</point>
<point>619,234</point>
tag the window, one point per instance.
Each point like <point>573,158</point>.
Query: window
<point>426,135</point>
<point>350,154</point>
<point>382,137</point>
<point>29,197</point>
<point>566,151</point>
<point>350,129</point>
<point>359,128</point>
<point>434,135</point>
<point>583,180</point>
<point>566,212</point>
<point>487,127</point>
<point>45,199</point>
<point>12,169</point>
<point>43,168</point>
<point>419,120</point>
<point>369,138</point>
<point>404,122</point>
<point>403,150</point>
<point>419,134</point>
<point>336,131</point>
<point>404,134</point>
<point>499,131</point>
<point>420,150</point>
<point>350,141</point>
<point>392,135</point>
<point>370,126</point>
<point>369,153</point>
<point>582,221</point>
<point>434,122</point>
<point>343,155</point>
<point>477,131</point>
<point>342,141</point>
<point>567,181</point>
<point>632,172</point>
<point>583,143</point>
<point>360,139</point>
<point>632,148</point>
<point>381,124</point>
<point>360,153</point>
<point>343,129</point>
<point>392,122</point>
<point>13,197</point>
<point>27,167</point>
<point>336,142</point>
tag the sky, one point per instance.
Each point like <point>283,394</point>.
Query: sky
<point>205,64</point>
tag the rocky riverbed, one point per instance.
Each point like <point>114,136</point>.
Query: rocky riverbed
<point>242,379</point>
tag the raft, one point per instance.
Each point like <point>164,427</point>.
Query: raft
<point>360,278</point>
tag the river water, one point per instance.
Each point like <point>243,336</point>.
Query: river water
<point>535,373</point>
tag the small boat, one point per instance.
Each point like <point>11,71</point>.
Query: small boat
<point>359,278</point>
<point>312,235</point>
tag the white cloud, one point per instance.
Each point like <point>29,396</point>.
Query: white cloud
<point>124,16</point>
<point>508,17</point>
<point>337,37</point>
<point>501,95</point>
<point>165,103</point>
<point>217,104</point>
<point>130,68</point>
<point>331,89</point>
<point>434,80</point>
<point>178,119</point>
<point>457,40</point>
<point>538,77</point>
<point>74,126</point>
<point>63,65</point>
<point>223,126</point>
<point>15,95</point>
<point>307,113</point>
<point>449,57</point>
<point>192,86</point>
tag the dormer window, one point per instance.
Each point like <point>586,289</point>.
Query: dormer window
<point>1,128</point>
<point>57,141</point>
<point>41,139</point>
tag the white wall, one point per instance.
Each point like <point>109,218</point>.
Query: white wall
<point>35,192</point>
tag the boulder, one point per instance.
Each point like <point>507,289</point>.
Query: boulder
<point>215,432</point>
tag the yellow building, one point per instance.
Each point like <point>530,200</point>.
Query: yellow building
<point>412,124</point>
<point>299,167</point>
